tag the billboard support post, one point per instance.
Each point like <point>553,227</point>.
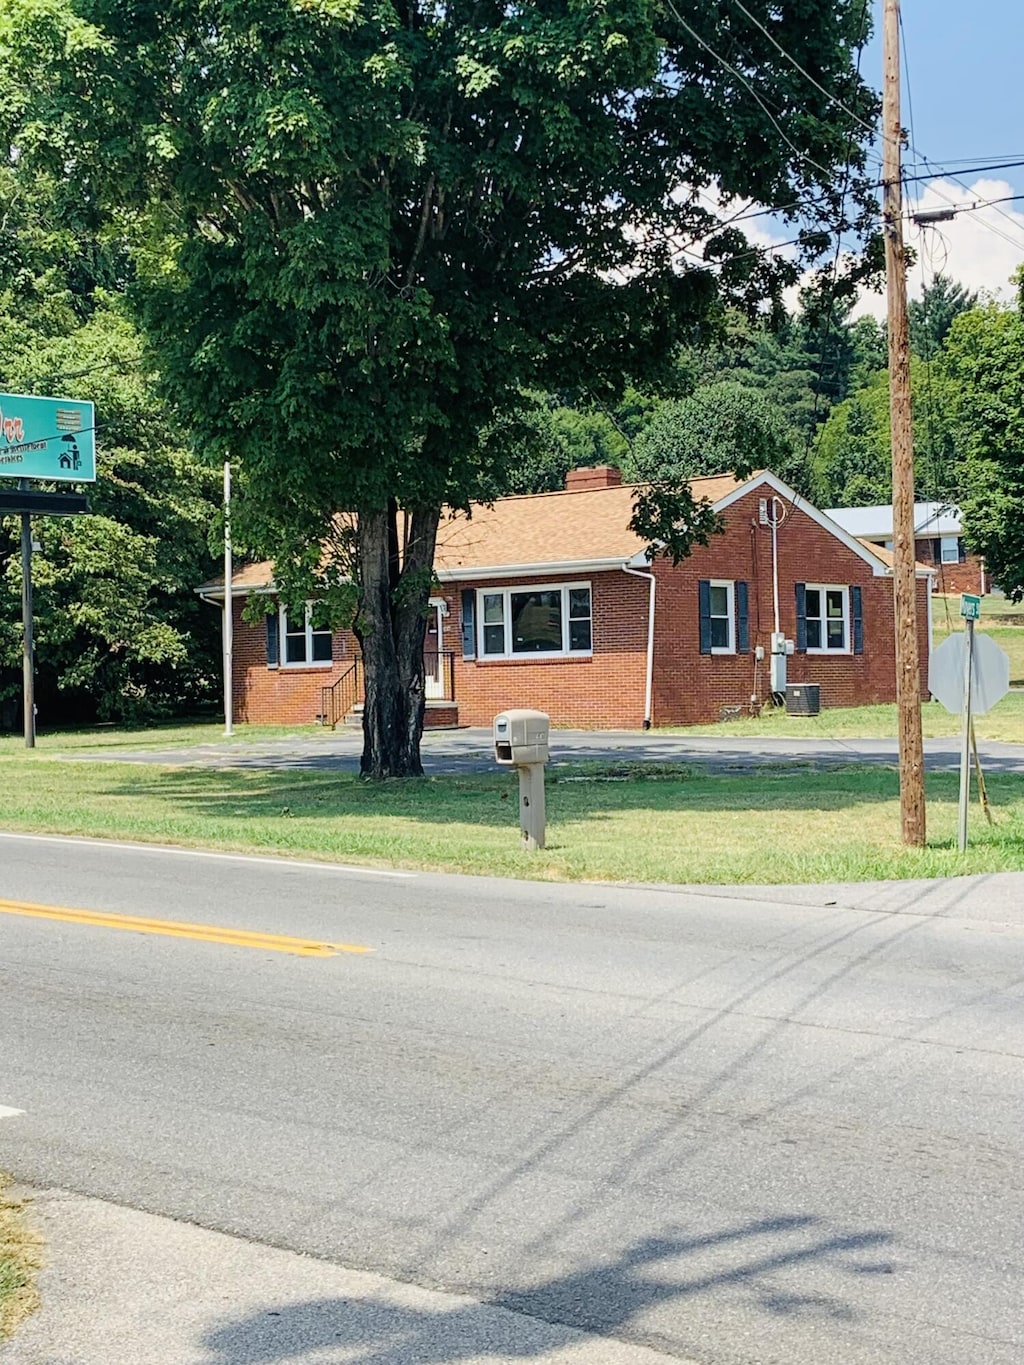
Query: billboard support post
<point>28,645</point>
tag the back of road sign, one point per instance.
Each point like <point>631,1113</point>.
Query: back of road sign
<point>991,673</point>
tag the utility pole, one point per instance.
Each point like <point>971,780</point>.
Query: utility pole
<point>908,685</point>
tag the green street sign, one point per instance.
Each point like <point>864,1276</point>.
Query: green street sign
<point>47,438</point>
<point>970,607</point>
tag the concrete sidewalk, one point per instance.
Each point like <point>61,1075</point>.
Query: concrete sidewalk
<point>129,1288</point>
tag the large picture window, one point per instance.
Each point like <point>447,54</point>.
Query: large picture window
<point>552,619</point>
<point>307,641</point>
<point>828,618</point>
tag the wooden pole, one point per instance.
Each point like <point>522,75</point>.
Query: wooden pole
<point>908,685</point>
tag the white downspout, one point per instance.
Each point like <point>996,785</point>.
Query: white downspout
<point>649,687</point>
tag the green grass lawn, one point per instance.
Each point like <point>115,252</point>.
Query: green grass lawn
<point>1003,722</point>
<point>19,1260</point>
<point>173,735</point>
<point>619,822</point>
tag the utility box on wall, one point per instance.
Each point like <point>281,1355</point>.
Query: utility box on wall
<point>803,699</point>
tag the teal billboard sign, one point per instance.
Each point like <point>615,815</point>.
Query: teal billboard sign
<point>47,438</point>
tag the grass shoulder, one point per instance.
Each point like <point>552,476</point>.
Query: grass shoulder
<point>606,822</point>
<point>20,1259</point>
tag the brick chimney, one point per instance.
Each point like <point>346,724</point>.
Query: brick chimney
<point>593,476</point>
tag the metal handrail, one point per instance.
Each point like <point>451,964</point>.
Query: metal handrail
<point>338,699</point>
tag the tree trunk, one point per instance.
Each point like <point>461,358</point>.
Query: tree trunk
<point>390,626</point>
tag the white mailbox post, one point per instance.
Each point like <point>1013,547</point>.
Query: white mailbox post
<point>521,741</point>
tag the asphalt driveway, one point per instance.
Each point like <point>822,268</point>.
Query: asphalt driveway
<point>469,750</point>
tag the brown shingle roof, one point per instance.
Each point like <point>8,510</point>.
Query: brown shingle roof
<point>582,526</point>
<point>246,579</point>
<point>886,556</point>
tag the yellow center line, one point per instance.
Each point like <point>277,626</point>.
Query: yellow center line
<point>206,933</point>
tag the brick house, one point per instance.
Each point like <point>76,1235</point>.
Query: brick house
<point>938,538</point>
<point>549,601</point>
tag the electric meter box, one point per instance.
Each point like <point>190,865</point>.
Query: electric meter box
<point>521,737</point>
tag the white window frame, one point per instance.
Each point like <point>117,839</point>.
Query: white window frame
<point>283,633</point>
<point>824,588</point>
<point>506,593</point>
<point>730,587</point>
<point>944,543</point>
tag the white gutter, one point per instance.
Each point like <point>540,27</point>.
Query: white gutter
<point>559,567</point>
<point>215,596</point>
<point>649,687</point>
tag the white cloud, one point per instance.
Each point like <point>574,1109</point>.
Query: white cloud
<point>980,249</point>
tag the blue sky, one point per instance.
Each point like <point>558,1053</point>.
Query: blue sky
<point>966,78</point>
<point>966,85</point>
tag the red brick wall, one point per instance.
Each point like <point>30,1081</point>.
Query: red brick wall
<point>280,696</point>
<point>604,690</point>
<point>954,579</point>
<point>691,687</point>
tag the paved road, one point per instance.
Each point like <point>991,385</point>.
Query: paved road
<point>779,1127</point>
<point>470,750</point>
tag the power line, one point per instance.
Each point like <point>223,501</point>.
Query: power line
<point>938,169</point>
<point>740,77</point>
<point>924,160</point>
<point>805,73</point>
<point>841,104</point>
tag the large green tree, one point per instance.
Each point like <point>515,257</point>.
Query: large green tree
<point>720,427</point>
<point>119,630</point>
<point>984,359</point>
<point>364,228</point>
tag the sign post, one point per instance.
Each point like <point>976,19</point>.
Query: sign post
<point>42,438</point>
<point>965,735</point>
<point>28,671</point>
<point>968,673</point>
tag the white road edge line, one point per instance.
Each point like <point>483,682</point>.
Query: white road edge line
<point>207,853</point>
<point>6,1112</point>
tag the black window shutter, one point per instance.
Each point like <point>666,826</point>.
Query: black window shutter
<point>856,604</point>
<point>801,617</point>
<point>704,599</point>
<point>742,620</point>
<point>273,639</point>
<point>468,623</point>
<point>961,550</point>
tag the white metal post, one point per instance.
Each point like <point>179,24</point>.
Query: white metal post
<point>228,604</point>
<point>965,741</point>
<point>28,663</point>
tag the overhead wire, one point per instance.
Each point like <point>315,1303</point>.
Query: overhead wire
<point>924,160</point>
<point>936,169</point>
<point>801,155</point>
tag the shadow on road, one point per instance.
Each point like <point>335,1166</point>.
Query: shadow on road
<point>609,1300</point>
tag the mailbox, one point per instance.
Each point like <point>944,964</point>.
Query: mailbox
<point>521,738</point>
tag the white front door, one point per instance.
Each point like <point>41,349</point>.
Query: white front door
<point>433,653</point>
